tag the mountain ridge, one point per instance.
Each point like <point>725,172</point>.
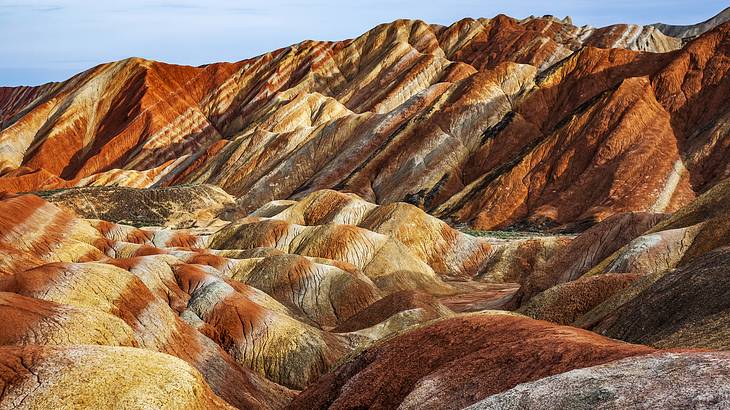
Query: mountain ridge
<point>323,226</point>
<point>141,123</point>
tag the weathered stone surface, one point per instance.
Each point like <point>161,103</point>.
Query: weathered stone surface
<point>179,205</point>
<point>128,302</point>
<point>46,377</point>
<point>385,260</point>
<point>660,380</point>
<point>299,282</point>
<point>31,321</point>
<point>455,362</point>
<point>515,260</point>
<point>427,306</point>
<point>450,253</point>
<point>669,248</point>
<point>584,252</point>
<point>257,331</point>
<point>686,307</point>
<point>566,302</point>
<point>705,223</point>
<point>113,290</point>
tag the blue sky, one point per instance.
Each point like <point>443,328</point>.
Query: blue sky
<point>47,40</point>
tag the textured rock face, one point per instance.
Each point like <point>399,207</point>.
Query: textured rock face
<point>115,291</point>
<point>491,122</point>
<point>298,282</point>
<point>687,307</point>
<point>449,252</point>
<point>703,224</point>
<point>452,363</point>
<point>399,303</point>
<point>516,260</point>
<point>34,321</point>
<point>121,302</point>
<point>282,231</point>
<point>305,307</point>
<point>249,320</point>
<point>680,245</point>
<point>666,380</point>
<point>386,261</point>
<point>566,302</point>
<point>257,331</point>
<point>38,377</point>
<point>584,252</point>
<point>180,205</point>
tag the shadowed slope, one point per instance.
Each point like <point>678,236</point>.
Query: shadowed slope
<point>584,252</point>
<point>687,307</point>
<point>394,304</point>
<point>450,363</point>
<point>566,302</point>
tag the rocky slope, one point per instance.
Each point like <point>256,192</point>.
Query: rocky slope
<point>182,206</point>
<point>289,231</point>
<point>492,122</point>
<point>262,307</point>
<point>41,377</point>
<point>254,311</point>
<point>449,363</point>
<point>668,380</point>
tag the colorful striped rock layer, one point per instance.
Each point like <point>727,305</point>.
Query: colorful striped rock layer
<point>315,227</point>
<point>492,122</point>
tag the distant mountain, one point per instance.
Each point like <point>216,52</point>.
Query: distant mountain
<point>693,30</point>
<point>499,122</point>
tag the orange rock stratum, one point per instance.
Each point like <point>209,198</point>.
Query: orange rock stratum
<point>497,214</point>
